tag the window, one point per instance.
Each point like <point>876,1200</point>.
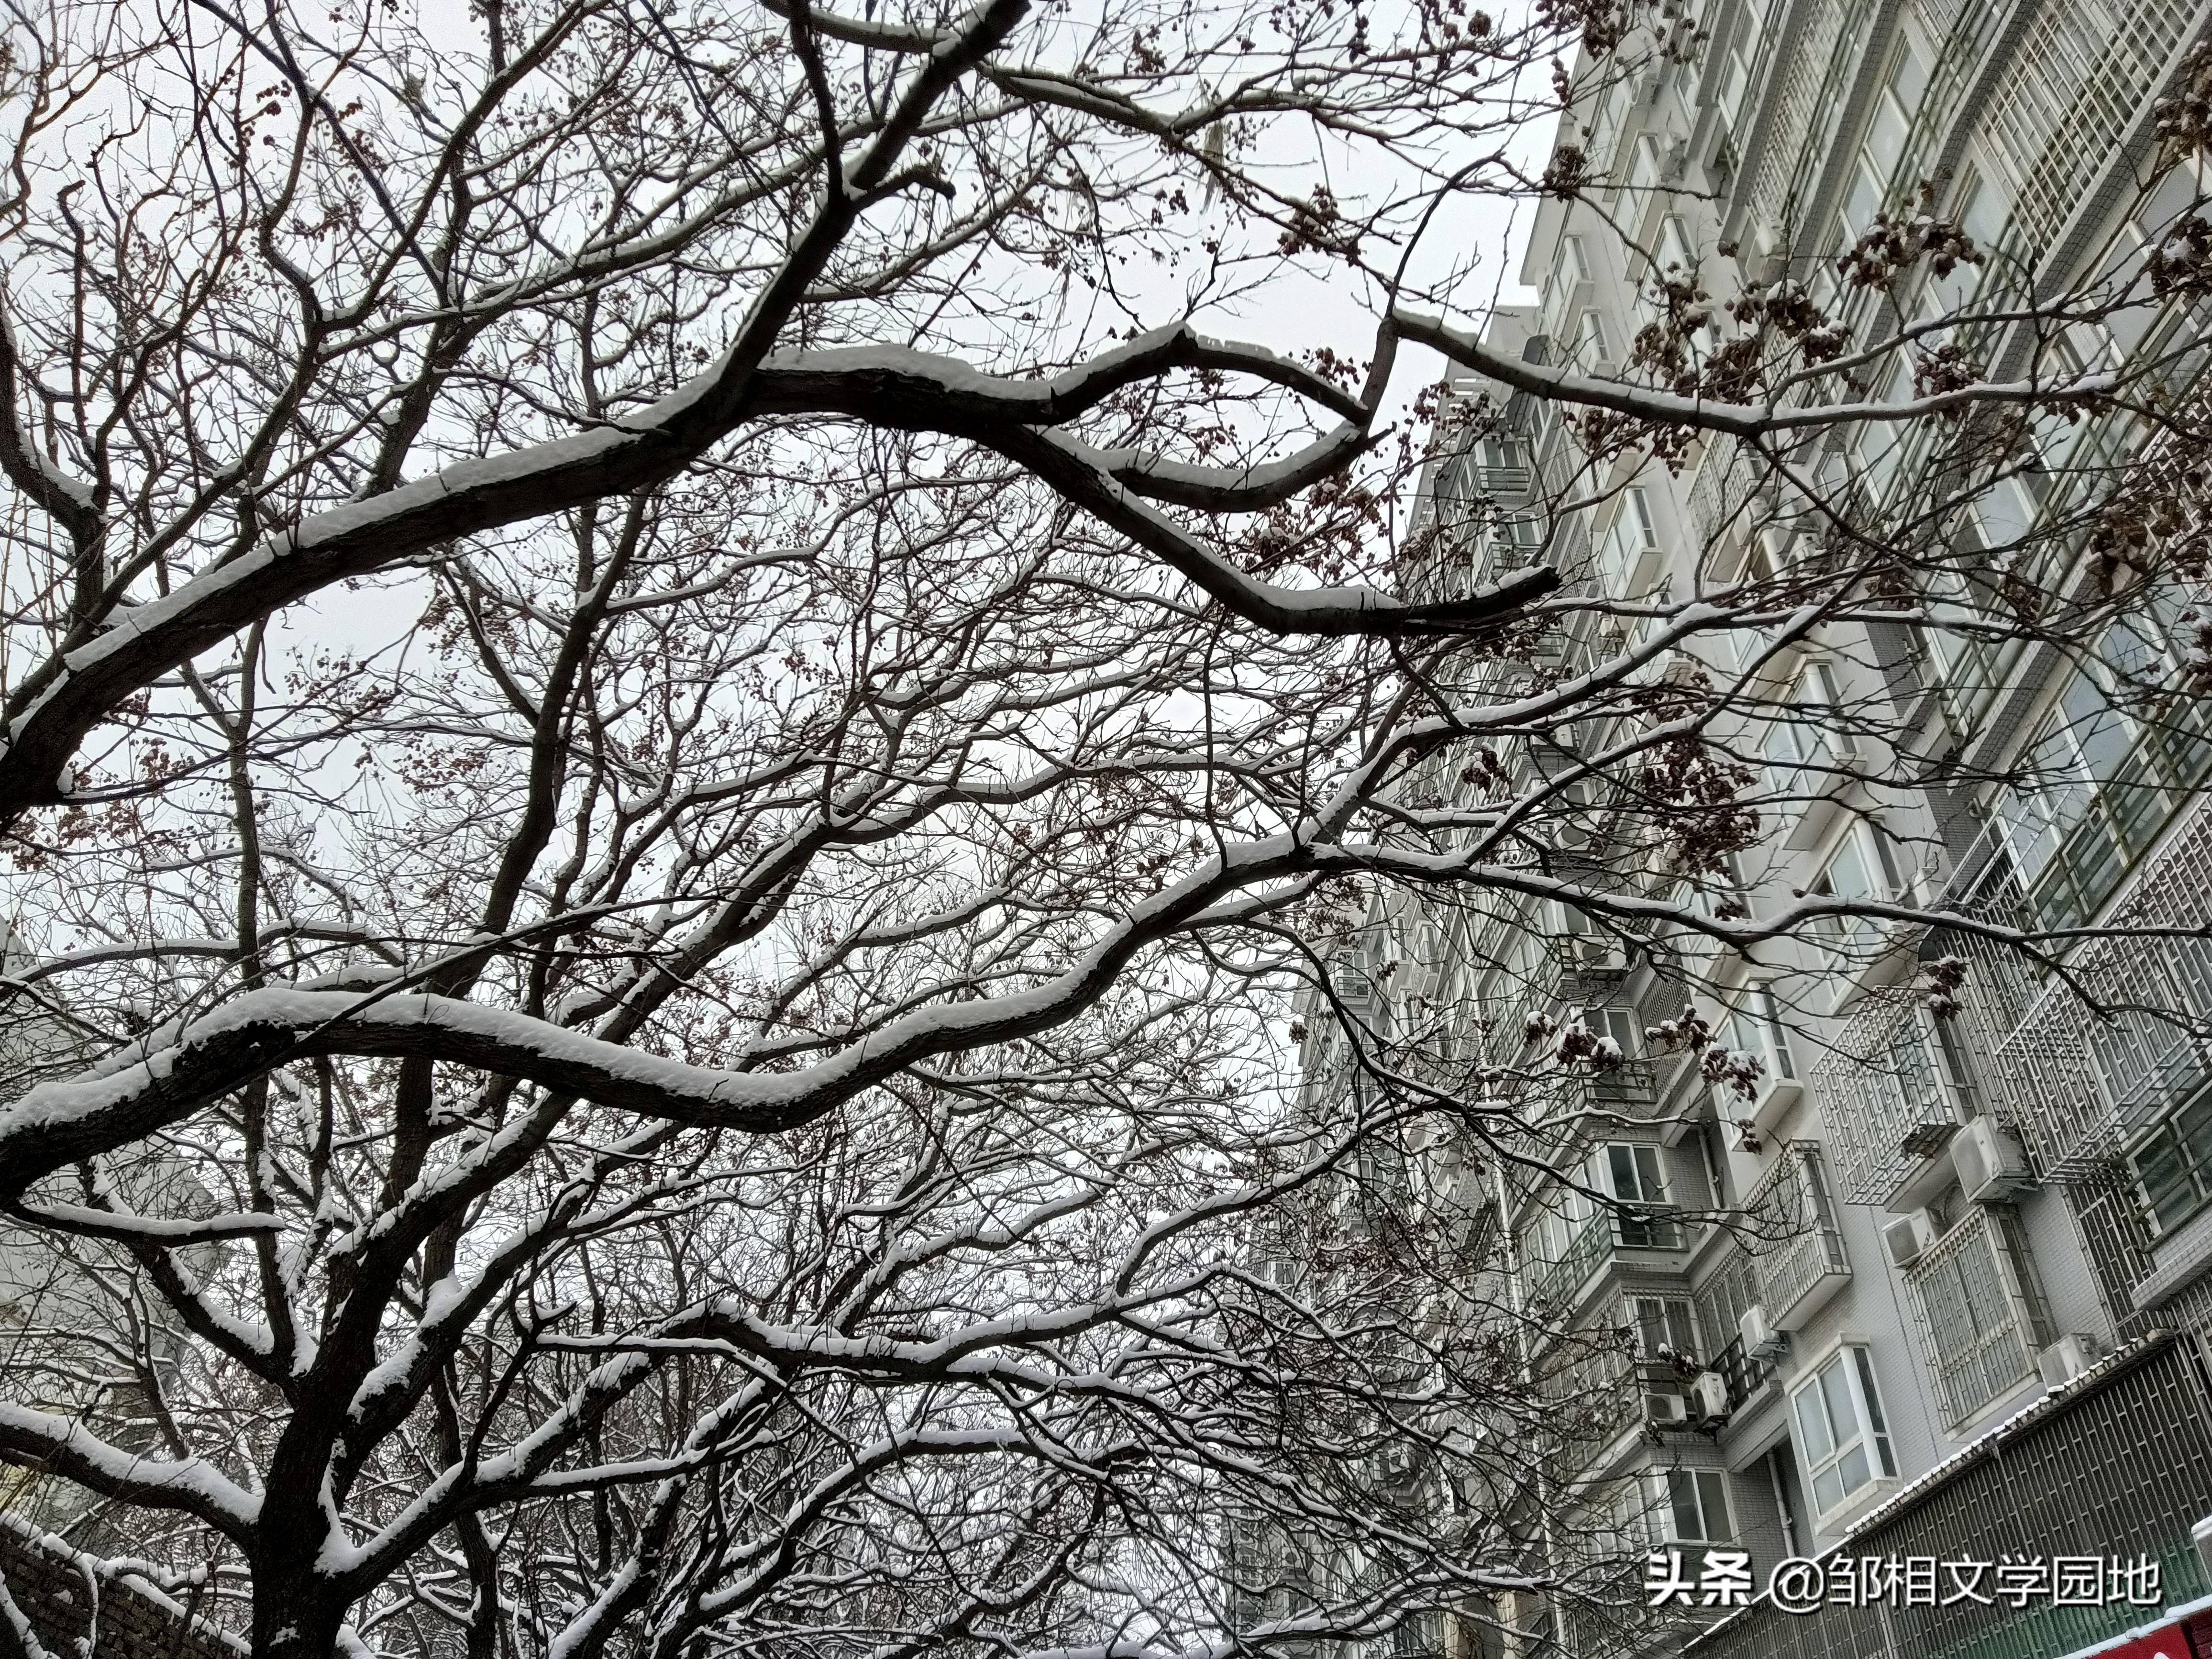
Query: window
<point>1690,1506</point>
<point>1804,746</point>
<point>1615,1025</point>
<point>1589,340</point>
<point>1572,263</point>
<point>1631,1174</point>
<point>1562,288</point>
<point>1860,206</point>
<point>1755,1028</point>
<point>1895,108</point>
<point>1842,1437</point>
<point>2093,789</point>
<point>1860,871</point>
<point>1516,539</point>
<point>1672,260</point>
<point>1742,60</point>
<point>1644,173</point>
<point>1632,539</point>
<point>1664,1327</point>
<point>1555,1228</point>
<point>1979,1317</point>
<point>1981,211</point>
<point>2173,1168</point>
<point>1888,124</point>
<point>1603,130</point>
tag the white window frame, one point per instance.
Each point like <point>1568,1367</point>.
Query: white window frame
<point>1755,1025</point>
<point>1651,1315</point>
<point>1592,350</point>
<point>1885,883</point>
<point>1618,1023</point>
<point>1812,1411</point>
<point>1644,1220</point>
<point>1795,744</point>
<point>1646,1168</point>
<point>1670,1492</point>
<point>1570,264</point>
<point>1646,172</point>
<point>1631,540</point>
<point>1742,64</point>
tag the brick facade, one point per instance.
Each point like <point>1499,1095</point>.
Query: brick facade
<point>67,1599</point>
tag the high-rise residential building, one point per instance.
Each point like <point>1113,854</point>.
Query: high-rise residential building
<point>1965,1324</point>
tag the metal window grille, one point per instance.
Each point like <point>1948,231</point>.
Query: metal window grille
<point>1811,99</point>
<point>2123,1468</point>
<point>1792,1207</point>
<point>2075,1089</point>
<point>1980,1322</point>
<point>1877,1084</point>
<point>2078,80</point>
<point>1721,1300</point>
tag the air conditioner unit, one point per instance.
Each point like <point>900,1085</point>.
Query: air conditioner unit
<point>1991,1164</point>
<point>1908,1237</point>
<point>1760,1340</point>
<point>1600,952</point>
<point>2066,1358</point>
<point>1666,1411</point>
<point>1709,1394</point>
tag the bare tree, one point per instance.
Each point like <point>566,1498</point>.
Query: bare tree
<point>673,775</point>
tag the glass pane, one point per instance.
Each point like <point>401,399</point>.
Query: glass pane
<point>1836,1391</point>
<point>1907,79</point>
<point>1867,1391</point>
<point>1649,1187</point>
<point>1812,1427</point>
<point>1682,1494</point>
<point>1622,1162</point>
<point>1712,1493</point>
<point>1853,1469</point>
<point>1847,876</point>
<point>2103,735</point>
<point>1827,1490</point>
<point>2192,1128</point>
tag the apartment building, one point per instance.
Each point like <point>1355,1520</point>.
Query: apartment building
<point>1966,1320</point>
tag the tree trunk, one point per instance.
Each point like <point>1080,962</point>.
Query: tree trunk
<point>296,1616</point>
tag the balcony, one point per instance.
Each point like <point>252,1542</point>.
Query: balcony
<point>1625,1227</point>
<point>1627,1093</point>
<point>1800,1259</point>
<point>1883,1098</point>
<point>1744,1372</point>
<point>1501,481</point>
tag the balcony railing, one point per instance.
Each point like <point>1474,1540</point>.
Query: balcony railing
<point>1807,1262</point>
<point>1629,1227</point>
<point>1629,1090</point>
<point>1744,1372</point>
<point>1501,480</point>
